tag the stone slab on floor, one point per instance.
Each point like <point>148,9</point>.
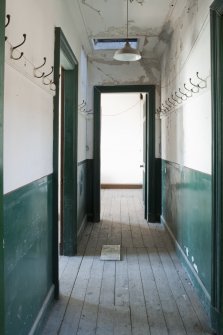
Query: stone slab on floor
<point>111,252</point>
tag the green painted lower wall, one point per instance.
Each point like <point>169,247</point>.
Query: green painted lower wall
<point>90,193</point>
<point>28,253</point>
<point>81,195</point>
<point>186,209</point>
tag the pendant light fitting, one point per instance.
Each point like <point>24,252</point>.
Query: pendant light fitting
<point>127,54</point>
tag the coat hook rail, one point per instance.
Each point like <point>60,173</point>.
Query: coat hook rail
<point>7,23</point>
<point>38,68</point>
<point>203,80</point>
<point>47,75</point>
<point>16,47</point>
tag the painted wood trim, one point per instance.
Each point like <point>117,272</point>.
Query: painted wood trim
<point>217,7</point>
<point>39,322</point>
<point>2,62</point>
<point>97,154</point>
<point>150,162</point>
<point>82,162</point>
<point>217,163</point>
<point>121,186</point>
<point>62,44</point>
<point>70,164</point>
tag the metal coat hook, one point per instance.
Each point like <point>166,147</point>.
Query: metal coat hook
<point>184,96</point>
<point>51,88</point>
<point>172,103</point>
<point>6,25</point>
<point>158,111</point>
<point>17,46</point>
<point>82,104</point>
<point>168,105</point>
<point>47,75</point>
<point>38,68</point>
<point>163,111</point>
<point>166,109</point>
<point>8,20</point>
<point>205,81</point>
<point>175,100</point>
<point>197,86</point>
<point>178,97</point>
<point>187,89</point>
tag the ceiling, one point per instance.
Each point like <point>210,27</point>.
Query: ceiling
<point>148,19</point>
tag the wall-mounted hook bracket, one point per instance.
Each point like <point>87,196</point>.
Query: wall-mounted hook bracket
<point>178,98</point>
<point>203,80</point>
<point>53,86</point>
<point>38,68</point>
<point>47,75</point>
<point>166,109</point>
<point>168,104</point>
<point>184,96</point>
<point>16,47</point>
<point>197,86</point>
<point>82,104</point>
<point>172,103</point>
<point>189,90</point>
<point>175,99</point>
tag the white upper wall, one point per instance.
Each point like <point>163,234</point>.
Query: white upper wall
<point>186,131</point>
<point>121,138</point>
<point>28,112</point>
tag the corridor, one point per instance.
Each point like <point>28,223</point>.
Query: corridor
<point>147,292</point>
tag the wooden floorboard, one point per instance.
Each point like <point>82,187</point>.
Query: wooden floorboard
<point>147,292</point>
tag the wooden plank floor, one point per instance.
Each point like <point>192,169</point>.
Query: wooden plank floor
<point>147,292</point>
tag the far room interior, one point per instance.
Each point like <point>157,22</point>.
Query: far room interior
<point>122,116</point>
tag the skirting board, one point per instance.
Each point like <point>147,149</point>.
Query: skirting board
<point>81,229</point>
<point>198,285</point>
<point>43,312</point>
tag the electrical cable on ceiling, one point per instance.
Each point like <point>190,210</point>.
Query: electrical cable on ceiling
<point>126,110</point>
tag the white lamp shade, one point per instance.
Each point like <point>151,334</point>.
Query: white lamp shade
<point>127,54</point>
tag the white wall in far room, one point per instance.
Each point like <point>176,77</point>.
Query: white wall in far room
<point>121,138</point>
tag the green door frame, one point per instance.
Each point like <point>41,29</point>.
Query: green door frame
<point>151,173</point>
<point>2,68</point>
<point>217,164</point>
<point>70,152</point>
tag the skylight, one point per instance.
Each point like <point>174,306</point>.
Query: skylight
<point>113,44</point>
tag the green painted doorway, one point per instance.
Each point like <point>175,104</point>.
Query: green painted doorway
<point>216,16</point>
<point>152,171</point>
<point>65,116</point>
<point>2,64</point>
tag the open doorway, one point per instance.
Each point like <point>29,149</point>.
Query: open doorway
<point>122,158</point>
<point>152,168</point>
